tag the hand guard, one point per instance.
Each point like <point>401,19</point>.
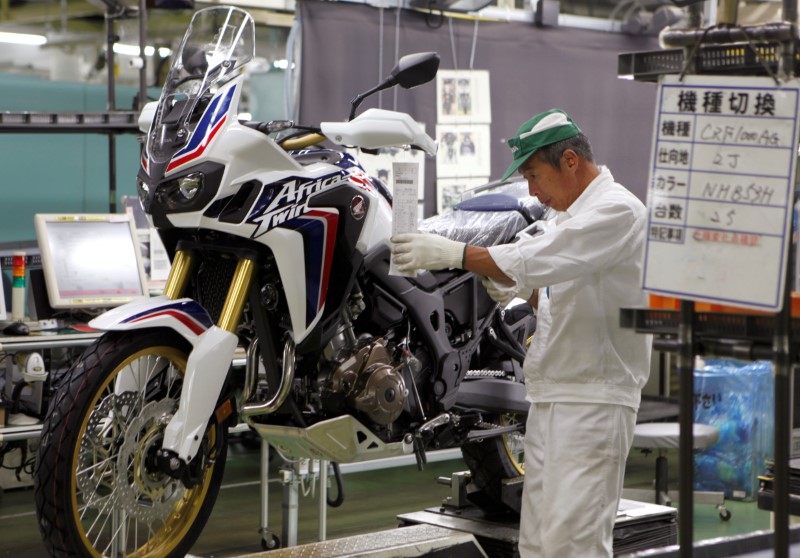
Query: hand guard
<point>426,251</point>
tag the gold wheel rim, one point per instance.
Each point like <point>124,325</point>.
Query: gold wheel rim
<point>516,457</point>
<point>185,511</point>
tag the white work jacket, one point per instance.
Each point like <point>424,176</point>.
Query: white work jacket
<point>587,265</point>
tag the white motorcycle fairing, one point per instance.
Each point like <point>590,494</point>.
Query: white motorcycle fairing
<point>209,361</point>
<point>376,128</point>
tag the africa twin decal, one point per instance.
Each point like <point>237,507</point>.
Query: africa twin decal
<point>282,201</point>
<point>285,204</point>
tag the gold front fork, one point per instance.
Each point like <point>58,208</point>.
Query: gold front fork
<point>231,314</point>
<point>237,295</point>
<point>179,273</point>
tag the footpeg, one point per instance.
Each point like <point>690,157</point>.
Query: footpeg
<point>425,433</point>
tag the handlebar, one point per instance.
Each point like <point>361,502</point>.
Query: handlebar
<point>291,143</point>
<point>307,140</point>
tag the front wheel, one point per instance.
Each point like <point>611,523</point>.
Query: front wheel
<point>98,491</point>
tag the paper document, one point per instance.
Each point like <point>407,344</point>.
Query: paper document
<point>404,209</point>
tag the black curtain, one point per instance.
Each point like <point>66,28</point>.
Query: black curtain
<point>532,69</point>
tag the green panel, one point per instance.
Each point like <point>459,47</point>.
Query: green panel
<point>43,173</point>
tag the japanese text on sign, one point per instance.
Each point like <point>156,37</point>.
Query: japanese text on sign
<point>720,193</point>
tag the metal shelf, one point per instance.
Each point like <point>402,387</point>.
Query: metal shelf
<point>714,325</point>
<point>743,336</point>
<point>735,59</point>
<point>70,122</point>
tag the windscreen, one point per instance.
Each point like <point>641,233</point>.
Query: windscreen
<point>219,42</point>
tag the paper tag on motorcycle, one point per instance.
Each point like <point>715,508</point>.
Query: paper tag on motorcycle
<point>404,204</point>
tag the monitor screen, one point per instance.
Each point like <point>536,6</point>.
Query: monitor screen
<point>90,260</point>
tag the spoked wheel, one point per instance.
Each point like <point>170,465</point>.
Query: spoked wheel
<point>98,490</point>
<point>492,461</point>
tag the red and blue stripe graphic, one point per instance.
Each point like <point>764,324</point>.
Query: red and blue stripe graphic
<point>187,312</point>
<point>210,123</point>
<point>318,228</point>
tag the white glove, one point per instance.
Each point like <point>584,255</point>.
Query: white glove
<point>500,293</point>
<point>412,251</point>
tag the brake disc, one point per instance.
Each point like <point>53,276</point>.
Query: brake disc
<point>96,474</point>
<point>143,493</point>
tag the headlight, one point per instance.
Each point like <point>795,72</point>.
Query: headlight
<point>180,193</point>
<point>190,185</point>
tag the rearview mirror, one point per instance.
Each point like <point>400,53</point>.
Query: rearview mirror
<point>415,69</point>
<point>411,70</point>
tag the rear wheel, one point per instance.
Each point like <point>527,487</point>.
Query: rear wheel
<point>97,488</point>
<point>493,462</point>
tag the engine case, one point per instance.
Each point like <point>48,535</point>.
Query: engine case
<point>371,383</point>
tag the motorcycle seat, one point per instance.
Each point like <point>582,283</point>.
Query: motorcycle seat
<point>485,220</point>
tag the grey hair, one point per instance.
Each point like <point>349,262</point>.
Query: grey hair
<point>551,154</point>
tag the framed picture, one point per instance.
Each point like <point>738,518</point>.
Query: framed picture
<point>462,96</point>
<point>449,190</point>
<point>463,150</point>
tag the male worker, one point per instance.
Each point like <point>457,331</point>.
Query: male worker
<point>583,373</point>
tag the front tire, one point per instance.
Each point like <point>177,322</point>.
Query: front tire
<point>97,490</point>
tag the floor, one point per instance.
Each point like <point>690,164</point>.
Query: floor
<point>372,501</point>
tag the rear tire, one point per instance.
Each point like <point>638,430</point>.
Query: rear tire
<point>96,490</point>
<point>492,462</point>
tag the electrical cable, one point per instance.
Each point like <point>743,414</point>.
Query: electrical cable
<point>380,54</point>
<point>291,87</point>
<point>396,51</point>
<point>339,500</point>
<point>474,44</point>
<point>429,14</point>
<point>452,43</point>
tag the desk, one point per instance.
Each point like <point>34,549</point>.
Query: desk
<point>43,340</point>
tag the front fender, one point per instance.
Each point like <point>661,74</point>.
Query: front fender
<point>206,367</point>
<point>183,315</point>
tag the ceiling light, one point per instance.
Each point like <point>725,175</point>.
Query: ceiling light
<point>22,38</point>
<point>132,50</point>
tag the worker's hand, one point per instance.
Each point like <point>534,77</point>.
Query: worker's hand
<point>500,293</point>
<point>426,251</point>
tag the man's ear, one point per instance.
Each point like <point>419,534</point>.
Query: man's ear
<point>570,159</point>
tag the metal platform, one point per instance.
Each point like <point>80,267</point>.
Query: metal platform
<point>760,544</point>
<point>417,540</point>
<point>639,526</point>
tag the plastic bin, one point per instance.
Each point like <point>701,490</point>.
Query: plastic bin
<point>737,398</point>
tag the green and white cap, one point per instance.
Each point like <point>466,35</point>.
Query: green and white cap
<point>541,130</point>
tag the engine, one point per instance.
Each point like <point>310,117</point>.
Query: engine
<point>367,380</point>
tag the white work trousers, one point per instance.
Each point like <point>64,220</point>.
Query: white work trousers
<point>575,457</point>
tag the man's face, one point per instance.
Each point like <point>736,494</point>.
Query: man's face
<point>553,186</point>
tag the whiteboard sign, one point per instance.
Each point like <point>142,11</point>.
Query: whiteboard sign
<point>721,188</point>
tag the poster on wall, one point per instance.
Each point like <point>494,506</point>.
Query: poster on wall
<point>464,150</point>
<point>449,191</point>
<point>462,96</point>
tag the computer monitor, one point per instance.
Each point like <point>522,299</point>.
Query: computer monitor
<point>90,260</point>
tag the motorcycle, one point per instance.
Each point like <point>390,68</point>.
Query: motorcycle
<point>279,248</point>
